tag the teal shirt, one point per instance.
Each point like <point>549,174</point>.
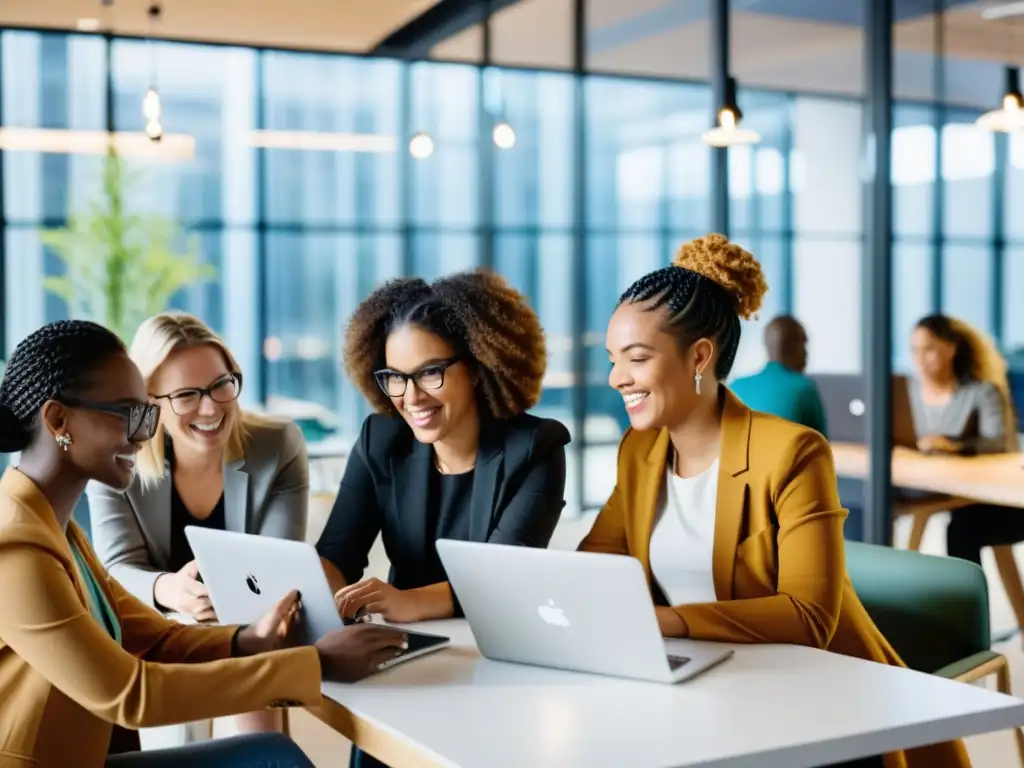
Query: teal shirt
<point>783,393</point>
<point>99,606</point>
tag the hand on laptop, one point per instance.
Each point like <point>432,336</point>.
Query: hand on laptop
<point>182,592</point>
<point>352,653</point>
<point>670,623</point>
<point>376,596</point>
<point>273,631</point>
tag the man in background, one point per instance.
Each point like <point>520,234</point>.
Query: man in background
<point>781,388</point>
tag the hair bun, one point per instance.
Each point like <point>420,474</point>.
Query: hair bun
<point>13,435</point>
<point>728,265</point>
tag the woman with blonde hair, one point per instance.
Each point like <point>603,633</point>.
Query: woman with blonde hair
<point>960,401</point>
<point>210,464</point>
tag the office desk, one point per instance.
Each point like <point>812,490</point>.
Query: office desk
<point>995,479</point>
<point>771,706</point>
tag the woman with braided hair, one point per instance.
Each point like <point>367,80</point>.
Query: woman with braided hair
<point>734,514</point>
<point>84,663</point>
<point>451,369</point>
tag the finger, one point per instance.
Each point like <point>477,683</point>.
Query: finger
<point>376,636</point>
<point>353,603</point>
<point>375,606</point>
<point>190,569</point>
<point>379,657</point>
<point>206,614</point>
<point>284,606</point>
<point>196,589</point>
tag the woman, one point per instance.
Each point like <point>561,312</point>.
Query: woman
<point>210,464</point>
<point>960,402</point>
<point>451,369</point>
<point>82,659</point>
<point>733,513</point>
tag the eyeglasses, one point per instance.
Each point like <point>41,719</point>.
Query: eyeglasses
<point>429,377</point>
<point>140,419</point>
<point>185,402</point>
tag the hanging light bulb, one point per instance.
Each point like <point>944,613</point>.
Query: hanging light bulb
<point>154,130</point>
<point>152,110</point>
<point>151,104</point>
<point>421,146</point>
<point>503,135</point>
<point>727,132</point>
<point>1010,117</point>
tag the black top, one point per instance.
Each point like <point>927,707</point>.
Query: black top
<point>515,495</point>
<point>181,551</point>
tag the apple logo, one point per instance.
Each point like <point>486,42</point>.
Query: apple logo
<point>552,615</point>
<point>250,582</point>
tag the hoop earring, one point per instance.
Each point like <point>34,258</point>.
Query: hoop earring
<point>63,440</point>
<point>696,380</point>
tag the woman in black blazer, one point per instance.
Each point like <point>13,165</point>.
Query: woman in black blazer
<point>451,368</point>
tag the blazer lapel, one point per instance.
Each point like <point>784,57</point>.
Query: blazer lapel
<point>236,497</point>
<point>154,513</point>
<point>732,492</point>
<point>411,489</point>
<point>647,498</point>
<point>485,484</point>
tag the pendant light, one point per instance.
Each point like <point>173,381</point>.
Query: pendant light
<point>152,109</point>
<point>421,146</point>
<point>727,131</point>
<point>1010,117</point>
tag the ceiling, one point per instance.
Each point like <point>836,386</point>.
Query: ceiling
<point>342,25</point>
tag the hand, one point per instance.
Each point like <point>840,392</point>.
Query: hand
<point>273,631</point>
<point>670,623</point>
<point>182,592</point>
<point>352,653</point>
<point>376,596</point>
<point>937,444</point>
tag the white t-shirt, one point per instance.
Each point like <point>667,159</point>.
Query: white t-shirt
<point>683,541</point>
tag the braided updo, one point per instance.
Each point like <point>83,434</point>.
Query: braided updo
<point>56,359</point>
<point>711,284</point>
<point>484,319</point>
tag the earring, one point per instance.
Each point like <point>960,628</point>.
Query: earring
<point>696,380</point>
<point>63,440</point>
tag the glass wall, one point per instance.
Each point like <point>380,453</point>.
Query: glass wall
<point>303,197</point>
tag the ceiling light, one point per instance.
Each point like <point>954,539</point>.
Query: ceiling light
<point>88,25</point>
<point>421,146</point>
<point>1002,11</point>
<point>321,141</point>
<point>727,132</point>
<point>1010,117</point>
<point>503,135</point>
<point>72,142</point>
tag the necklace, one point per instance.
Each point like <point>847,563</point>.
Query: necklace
<point>440,466</point>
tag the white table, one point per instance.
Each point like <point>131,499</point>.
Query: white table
<point>771,706</point>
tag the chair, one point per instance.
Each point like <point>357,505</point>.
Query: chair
<point>933,610</point>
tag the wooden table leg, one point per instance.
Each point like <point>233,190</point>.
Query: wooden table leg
<point>1010,575</point>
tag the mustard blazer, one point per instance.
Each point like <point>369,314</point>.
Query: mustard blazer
<point>65,682</point>
<point>779,557</point>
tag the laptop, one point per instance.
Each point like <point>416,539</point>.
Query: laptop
<point>577,611</point>
<point>846,409</point>
<point>247,574</point>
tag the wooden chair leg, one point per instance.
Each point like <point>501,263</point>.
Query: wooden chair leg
<point>1003,686</point>
<point>917,530</point>
<point>1009,574</point>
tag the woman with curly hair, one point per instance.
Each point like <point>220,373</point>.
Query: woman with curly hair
<point>734,514</point>
<point>451,368</point>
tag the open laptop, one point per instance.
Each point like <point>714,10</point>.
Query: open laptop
<point>846,409</point>
<point>578,611</point>
<point>248,574</point>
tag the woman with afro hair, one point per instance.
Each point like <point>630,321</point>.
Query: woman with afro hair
<point>734,514</point>
<point>451,369</point>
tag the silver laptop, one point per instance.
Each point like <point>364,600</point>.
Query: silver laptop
<point>248,574</point>
<point>568,610</point>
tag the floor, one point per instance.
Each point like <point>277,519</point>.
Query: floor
<point>327,749</point>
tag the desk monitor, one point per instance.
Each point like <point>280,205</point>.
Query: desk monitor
<point>846,408</point>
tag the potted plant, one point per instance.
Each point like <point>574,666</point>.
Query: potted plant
<point>121,267</point>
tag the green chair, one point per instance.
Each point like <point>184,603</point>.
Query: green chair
<point>933,610</point>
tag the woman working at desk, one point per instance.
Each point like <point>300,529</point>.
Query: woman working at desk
<point>733,513</point>
<point>211,464</point>
<point>960,376</point>
<point>83,663</point>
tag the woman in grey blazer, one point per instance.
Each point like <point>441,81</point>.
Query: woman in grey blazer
<point>210,464</point>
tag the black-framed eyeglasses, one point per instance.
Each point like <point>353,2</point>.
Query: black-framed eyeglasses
<point>140,419</point>
<point>429,377</point>
<point>185,402</point>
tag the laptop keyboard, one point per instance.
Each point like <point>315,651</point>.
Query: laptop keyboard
<point>675,662</point>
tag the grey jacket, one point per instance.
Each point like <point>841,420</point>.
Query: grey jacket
<point>950,419</point>
<point>266,493</point>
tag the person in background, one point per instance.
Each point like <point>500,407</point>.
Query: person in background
<point>83,662</point>
<point>734,514</point>
<point>211,464</point>
<point>781,388</point>
<point>961,380</point>
<point>451,369</point>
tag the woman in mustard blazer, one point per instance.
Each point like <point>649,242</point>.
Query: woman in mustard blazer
<point>734,514</point>
<point>83,663</point>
